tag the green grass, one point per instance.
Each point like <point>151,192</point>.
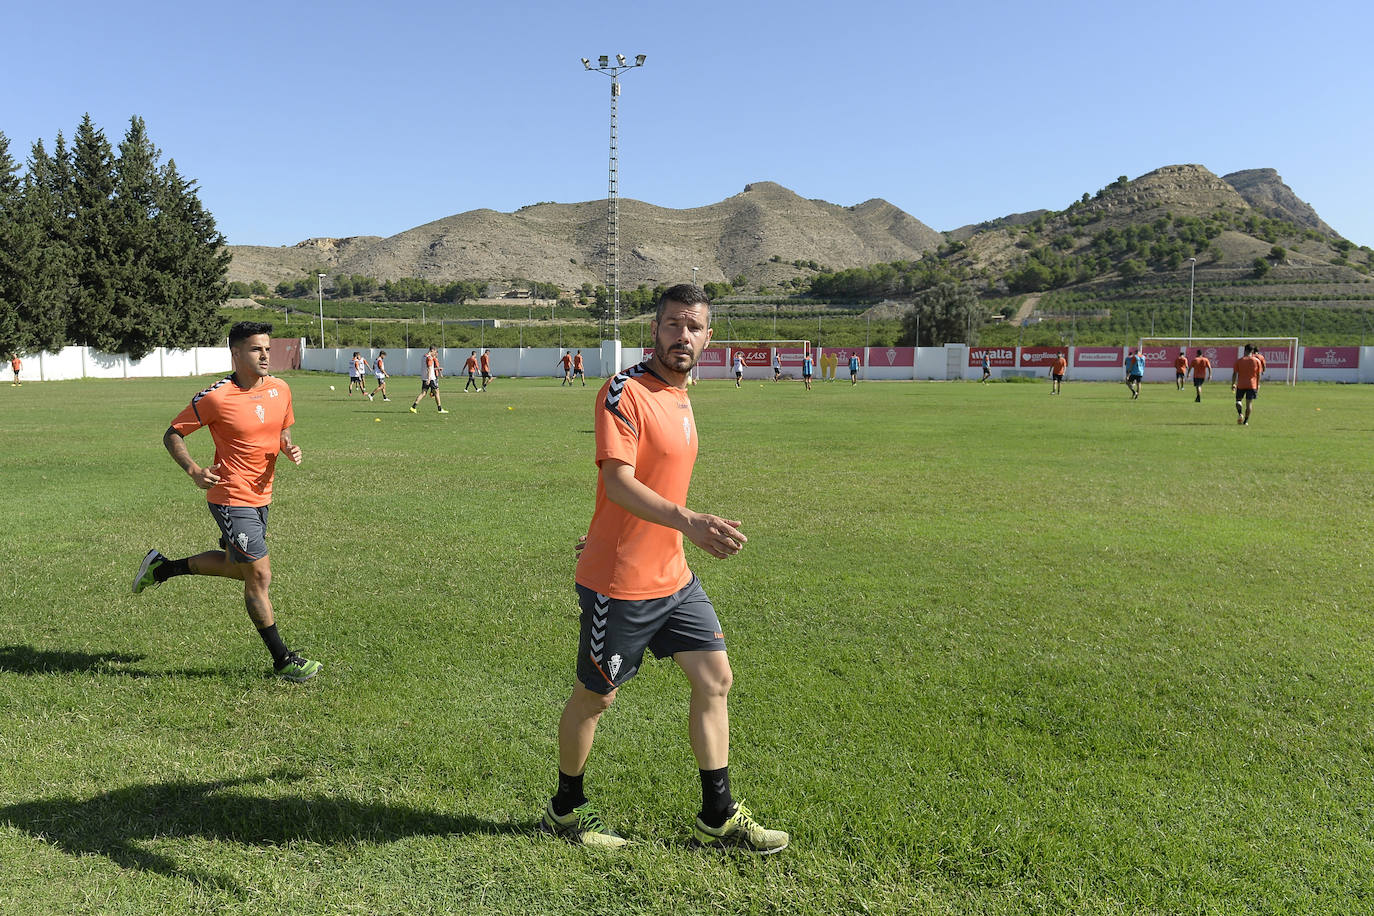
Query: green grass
<point>995,652</point>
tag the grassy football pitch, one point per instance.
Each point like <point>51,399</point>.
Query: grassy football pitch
<point>995,652</point>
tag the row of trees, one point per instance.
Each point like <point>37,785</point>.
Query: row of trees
<point>106,247</point>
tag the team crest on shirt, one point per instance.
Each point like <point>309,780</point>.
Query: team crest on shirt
<point>615,665</point>
<point>262,414</point>
<point>687,429</point>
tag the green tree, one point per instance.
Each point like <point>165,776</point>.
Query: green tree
<point>1261,267</point>
<point>95,318</point>
<point>947,313</point>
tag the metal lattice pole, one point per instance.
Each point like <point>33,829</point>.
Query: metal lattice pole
<point>604,65</point>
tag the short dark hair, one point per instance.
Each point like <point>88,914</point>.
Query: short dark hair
<point>245,329</point>
<point>682,294</point>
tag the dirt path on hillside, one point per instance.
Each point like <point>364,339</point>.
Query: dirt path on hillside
<point>1025,310</point>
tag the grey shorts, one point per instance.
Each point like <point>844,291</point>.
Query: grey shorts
<point>242,531</point>
<point>616,632</point>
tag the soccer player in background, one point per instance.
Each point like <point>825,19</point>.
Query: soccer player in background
<point>429,381</point>
<point>471,366</point>
<point>249,416</point>
<point>566,362</point>
<point>635,588</point>
<point>1245,381</point>
<point>16,364</point>
<point>486,368</point>
<point>987,368</point>
<point>579,371</point>
<point>1061,366</point>
<point>379,371</point>
<point>1202,372</point>
<point>806,370</point>
<point>777,366</point>
<point>739,370</point>
<point>1135,371</point>
<point>357,373</point>
<point>1180,368</point>
<point>853,368</point>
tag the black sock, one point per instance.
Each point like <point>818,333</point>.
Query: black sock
<point>172,568</point>
<point>274,644</point>
<point>715,796</point>
<point>569,795</point>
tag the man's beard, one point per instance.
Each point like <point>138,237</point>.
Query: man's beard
<point>670,357</point>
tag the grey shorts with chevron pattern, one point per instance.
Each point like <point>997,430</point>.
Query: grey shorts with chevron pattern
<point>616,632</point>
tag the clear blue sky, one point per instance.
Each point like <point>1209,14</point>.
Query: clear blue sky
<point>352,118</point>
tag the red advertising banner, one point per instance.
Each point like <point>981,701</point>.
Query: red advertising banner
<point>1223,357</point>
<point>791,357</point>
<point>713,357</point>
<point>1159,356</point>
<point>843,353</point>
<point>752,356</point>
<point>891,356</point>
<point>1041,357</point>
<point>1276,357</point>
<point>1330,357</point>
<point>997,356</point>
<point>1098,357</point>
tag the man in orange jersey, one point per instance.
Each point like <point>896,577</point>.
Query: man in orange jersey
<point>486,368</point>
<point>429,381</point>
<point>1245,381</point>
<point>566,362</point>
<point>1264,363</point>
<point>249,416</point>
<point>579,371</point>
<point>1180,368</point>
<point>1061,366</point>
<point>471,366</point>
<point>1202,372</point>
<point>636,591</point>
<point>16,364</point>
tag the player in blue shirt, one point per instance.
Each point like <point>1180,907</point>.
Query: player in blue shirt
<point>1135,371</point>
<point>853,368</point>
<point>806,370</point>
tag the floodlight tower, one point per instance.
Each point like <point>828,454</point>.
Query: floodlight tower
<point>1192,275</point>
<point>604,65</point>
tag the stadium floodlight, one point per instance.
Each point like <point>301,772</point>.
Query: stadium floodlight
<point>1192,264</point>
<point>319,284</point>
<point>613,182</point>
<point>694,275</point>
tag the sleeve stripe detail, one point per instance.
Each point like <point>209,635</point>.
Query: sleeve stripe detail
<point>197,398</point>
<point>615,390</point>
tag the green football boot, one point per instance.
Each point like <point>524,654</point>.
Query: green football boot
<point>582,826</point>
<point>145,577</point>
<point>297,669</point>
<point>740,831</point>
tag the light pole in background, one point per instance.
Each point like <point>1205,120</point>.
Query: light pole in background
<point>604,65</point>
<point>1192,274</point>
<point>319,285</point>
<point>694,275</point>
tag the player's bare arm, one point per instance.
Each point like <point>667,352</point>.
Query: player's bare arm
<point>289,449</point>
<point>175,443</point>
<point>717,536</point>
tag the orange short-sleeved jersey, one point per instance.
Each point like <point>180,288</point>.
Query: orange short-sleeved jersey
<point>1264,363</point>
<point>1181,364</point>
<point>471,364</point>
<point>246,424</point>
<point>577,362</point>
<point>566,360</point>
<point>1060,365</point>
<point>1201,365</point>
<point>15,364</point>
<point>1247,373</point>
<point>486,362</point>
<point>644,422</point>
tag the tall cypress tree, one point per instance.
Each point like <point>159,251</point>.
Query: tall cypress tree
<point>138,295</point>
<point>98,318</point>
<point>192,263</point>
<point>33,282</point>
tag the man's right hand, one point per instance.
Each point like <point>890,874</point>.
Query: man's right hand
<point>206,478</point>
<point>717,536</point>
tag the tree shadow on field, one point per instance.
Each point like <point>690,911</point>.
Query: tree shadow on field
<point>28,660</point>
<point>117,824</point>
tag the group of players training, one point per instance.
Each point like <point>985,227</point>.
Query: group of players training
<point>632,580</point>
<point>1245,376</point>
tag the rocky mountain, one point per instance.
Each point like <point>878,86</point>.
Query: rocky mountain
<point>566,243</point>
<point>1264,190</point>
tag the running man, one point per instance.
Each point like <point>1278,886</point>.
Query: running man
<point>987,368</point>
<point>1180,368</point>
<point>16,364</point>
<point>739,369</point>
<point>429,381</point>
<point>635,588</point>
<point>578,369</point>
<point>486,368</point>
<point>357,373</point>
<point>1245,381</point>
<point>566,362</point>
<point>379,371</point>
<point>1202,373</point>
<point>777,366</point>
<point>1061,366</point>
<point>249,416</point>
<point>806,369</point>
<point>1135,371</point>
<point>471,366</point>
<point>853,367</point>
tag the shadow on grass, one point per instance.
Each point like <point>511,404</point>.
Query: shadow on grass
<point>28,660</point>
<point>115,824</point>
